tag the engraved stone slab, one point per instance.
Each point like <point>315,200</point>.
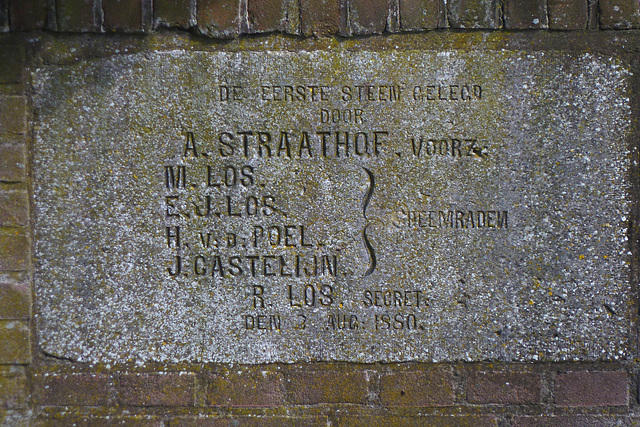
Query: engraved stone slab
<point>343,206</point>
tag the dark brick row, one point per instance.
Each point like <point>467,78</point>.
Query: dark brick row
<point>255,388</point>
<point>229,18</point>
<point>261,420</point>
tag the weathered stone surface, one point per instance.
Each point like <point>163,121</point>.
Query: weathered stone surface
<point>201,206</point>
<point>474,14</point>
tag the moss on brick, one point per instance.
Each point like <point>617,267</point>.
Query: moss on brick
<point>13,114</point>
<point>15,342</point>
<point>15,301</point>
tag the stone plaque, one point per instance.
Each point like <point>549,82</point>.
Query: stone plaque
<point>363,206</point>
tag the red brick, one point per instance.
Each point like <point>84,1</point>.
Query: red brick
<point>218,18</point>
<point>321,17</point>
<point>13,388</point>
<point>567,15</point>
<point>368,16</point>
<point>13,208</point>
<point>525,15</point>
<point>172,13</point>
<point>79,16</point>
<point>308,388</point>
<point>123,16</point>
<point>71,389</point>
<point>619,14</point>
<point>15,343</point>
<point>27,15</point>
<point>412,421</point>
<point>592,389</point>
<point>246,389</point>
<point>417,388</point>
<point>421,14</point>
<point>170,389</point>
<point>15,301</point>
<point>474,14</point>
<point>572,421</point>
<point>13,114</point>
<point>503,387</point>
<point>265,15</point>
<point>14,251</point>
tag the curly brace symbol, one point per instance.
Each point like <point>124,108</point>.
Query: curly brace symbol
<point>365,203</point>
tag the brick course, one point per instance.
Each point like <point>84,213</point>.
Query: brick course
<point>572,421</point>
<point>412,421</point>
<point>223,19</point>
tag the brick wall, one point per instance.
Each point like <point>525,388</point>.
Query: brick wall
<point>227,18</point>
<point>37,389</point>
